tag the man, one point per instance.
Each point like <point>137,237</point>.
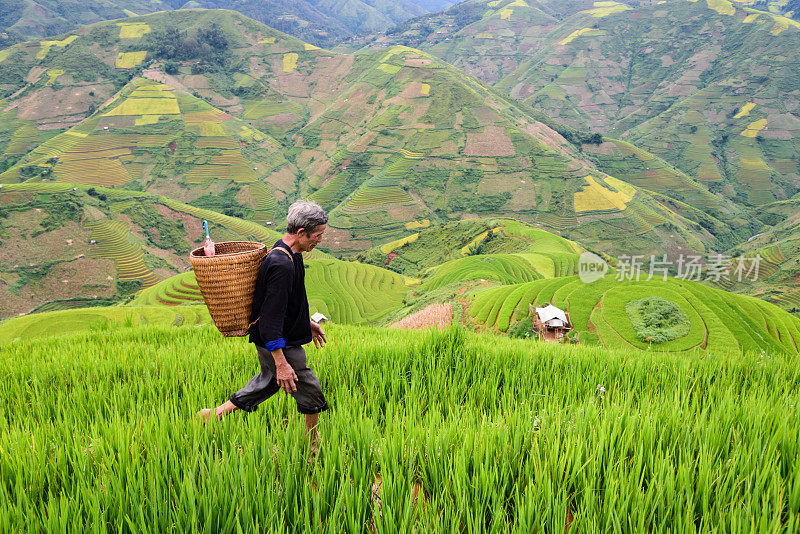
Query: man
<point>280,306</point>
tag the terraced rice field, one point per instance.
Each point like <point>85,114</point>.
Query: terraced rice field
<point>132,30</point>
<point>290,61</point>
<point>175,290</point>
<point>352,293</point>
<point>598,197</point>
<point>113,244</point>
<point>265,203</point>
<point>345,292</point>
<point>103,319</point>
<point>383,188</point>
<point>503,268</point>
<point>244,228</point>
<point>128,60</point>
<point>720,321</point>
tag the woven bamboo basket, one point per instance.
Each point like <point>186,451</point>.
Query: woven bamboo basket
<point>227,281</point>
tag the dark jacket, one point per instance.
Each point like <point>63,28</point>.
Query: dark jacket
<point>280,301</point>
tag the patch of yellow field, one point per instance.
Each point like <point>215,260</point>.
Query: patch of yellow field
<point>465,250</point>
<point>425,90</point>
<point>4,54</point>
<point>518,3</point>
<point>746,109</point>
<point>483,35</point>
<point>598,197</point>
<point>753,164</point>
<point>146,106</point>
<point>754,127</point>
<point>132,30</point>
<point>391,69</point>
<point>608,8</point>
<point>53,74</point>
<point>144,120</point>
<point>506,13</point>
<point>47,44</point>
<point>76,134</point>
<point>413,225</point>
<point>723,7</point>
<point>267,40</point>
<point>571,37</point>
<point>310,47</point>
<point>62,43</point>
<point>290,61</point>
<point>251,134</point>
<point>411,155</point>
<point>783,23</point>
<point>750,18</point>
<point>409,281</point>
<point>129,13</point>
<point>388,247</point>
<point>128,60</point>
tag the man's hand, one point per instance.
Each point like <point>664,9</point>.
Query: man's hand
<point>286,377</point>
<point>318,335</point>
<point>284,373</point>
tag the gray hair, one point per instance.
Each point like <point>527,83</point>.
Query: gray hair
<point>305,214</point>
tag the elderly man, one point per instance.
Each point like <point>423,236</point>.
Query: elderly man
<point>283,326</point>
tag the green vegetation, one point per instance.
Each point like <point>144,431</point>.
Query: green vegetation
<point>104,318</point>
<point>717,320</point>
<point>430,427</point>
<point>657,320</point>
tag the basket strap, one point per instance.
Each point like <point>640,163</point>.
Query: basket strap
<point>268,252</point>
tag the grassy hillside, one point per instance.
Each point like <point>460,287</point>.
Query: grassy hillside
<point>601,312</point>
<point>411,442</point>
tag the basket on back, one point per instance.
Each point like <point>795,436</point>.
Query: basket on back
<point>227,281</point>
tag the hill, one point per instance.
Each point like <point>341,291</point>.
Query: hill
<point>412,443</point>
<point>702,85</point>
<point>779,248</point>
<point>321,23</point>
<point>381,139</point>
<point>69,247</point>
<point>607,312</point>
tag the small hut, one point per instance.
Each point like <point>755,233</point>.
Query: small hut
<point>550,323</point>
<point>319,318</point>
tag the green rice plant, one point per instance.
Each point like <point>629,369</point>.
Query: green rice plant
<point>718,320</point>
<point>590,439</point>
<point>503,268</point>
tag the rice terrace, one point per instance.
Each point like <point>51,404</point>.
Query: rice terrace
<point>412,266</point>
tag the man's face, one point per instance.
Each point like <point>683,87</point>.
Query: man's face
<point>309,240</point>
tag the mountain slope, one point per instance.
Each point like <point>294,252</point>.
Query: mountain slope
<point>705,85</point>
<point>381,139</point>
<point>322,22</point>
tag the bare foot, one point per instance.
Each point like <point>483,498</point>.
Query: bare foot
<point>207,414</point>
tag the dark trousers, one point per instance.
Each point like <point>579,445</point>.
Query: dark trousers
<point>309,396</point>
